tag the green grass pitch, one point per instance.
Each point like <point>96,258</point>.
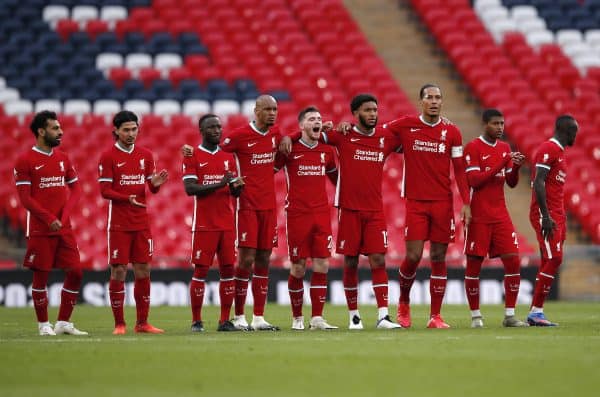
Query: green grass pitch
<point>562,361</point>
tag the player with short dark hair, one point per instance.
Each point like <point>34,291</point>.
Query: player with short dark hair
<point>547,211</point>
<point>307,168</point>
<point>362,229</point>
<point>210,176</point>
<point>48,188</point>
<point>430,144</point>
<point>490,164</point>
<point>124,170</point>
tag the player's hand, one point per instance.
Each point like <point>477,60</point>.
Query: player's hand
<point>344,127</point>
<point>465,214</point>
<point>55,226</point>
<point>133,201</point>
<point>327,126</point>
<point>548,226</point>
<point>285,146</point>
<point>226,178</point>
<point>517,158</point>
<point>237,182</point>
<point>187,150</point>
<point>160,178</point>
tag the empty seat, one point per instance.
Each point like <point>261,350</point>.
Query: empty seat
<point>135,62</point>
<point>113,13</point>
<point>107,61</point>
<point>166,107</point>
<point>225,107</point>
<point>536,39</point>
<point>77,107</point>
<point>82,14</point>
<point>165,62</point>
<point>54,13</point>
<point>196,108</point>
<point>19,107</point>
<point>106,107</point>
<point>8,95</point>
<point>138,106</point>
<point>53,105</point>
<point>568,36</point>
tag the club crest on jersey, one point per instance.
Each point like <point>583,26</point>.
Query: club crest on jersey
<point>342,244</point>
<point>468,159</point>
<point>243,237</point>
<point>100,169</point>
<point>546,157</point>
<point>115,254</point>
<point>443,136</point>
<point>295,251</point>
<point>31,258</point>
<point>142,164</point>
<point>62,166</point>
<point>381,142</point>
<point>198,253</point>
<point>322,158</point>
<point>442,148</point>
<point>226,165</point>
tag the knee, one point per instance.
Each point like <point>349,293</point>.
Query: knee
<point>141,270</point>
<point>118,272</point>
<point>414,256</point>
<point>320,265</point>
<point>226,271</point>
<point>351,261</point>
<point>377,260</point>
<point>262,258</point>
<point>74,276</point>
<point>298,269</point>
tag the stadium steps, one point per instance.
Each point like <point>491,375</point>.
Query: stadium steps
<point>397,31</point>
<point>580,279</point>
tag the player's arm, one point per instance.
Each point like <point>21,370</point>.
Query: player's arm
<point>280,160</point>
<point>477,178</point>
<point>23,183</point>
<point>539,188</point>
<point>105,179</point>
<point>512,172</point>
<point>193,188</point>
<point>331,169</point>
<point>74,196</point>
<point>458,163</point>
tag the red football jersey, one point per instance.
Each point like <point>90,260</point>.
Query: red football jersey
<point>487,201</point>
<point>361,159</point>
<point>428,150</point>
<point>550,156</point>
<point>254,152</point>
<point>127,172</point>
<point>305,170</point>
<point>48,175</point>
<point>215,210</point>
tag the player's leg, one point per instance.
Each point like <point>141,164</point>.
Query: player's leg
<point>318,294</point>
<point>119,247</point>
<point>296,291</point>
<point>416,231</point>
<point>141,254</point>
<point>348,244</point>
<point>226,255</point>
<point>266,240</point>
<point>67,256</point>
<point>203,252</point>
<point>477,245</point>
<point>472,288</point>
<point>437,284</point>
<point>247,228</point>
<point>40,259</point>
<point>551,256</point>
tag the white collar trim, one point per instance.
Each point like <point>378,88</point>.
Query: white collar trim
<point>486,142</point>
<point>557,142</point>
<point>36,149</point>
<point>429,124</point>
<point>123,149</point>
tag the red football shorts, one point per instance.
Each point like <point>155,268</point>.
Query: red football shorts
<point>429,220</point>
<point>49,252</point>
<point>257,229</point>
<point>552,247</point>
<point>130,247</point>
<point>206,244</point>
<point>361,232</point>
<point>494,239</point>
<point>309,235</point>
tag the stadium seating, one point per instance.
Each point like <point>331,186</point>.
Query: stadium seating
<point>172,61</point>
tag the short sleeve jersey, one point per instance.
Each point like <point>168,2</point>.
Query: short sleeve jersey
<point>48,174</point>
<point>550,156</point>
<point>306,169</point>
<point>361,160</point>
<point>127,172</point>
<point>488,204</point>
<point>254,151</point>
<point>214,211</point>
<point>428,150</point>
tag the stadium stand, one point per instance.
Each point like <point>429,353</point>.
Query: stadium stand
<point>171,61</point>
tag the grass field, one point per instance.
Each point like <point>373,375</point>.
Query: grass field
<point>562,361</point>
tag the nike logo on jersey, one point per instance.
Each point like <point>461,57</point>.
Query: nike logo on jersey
<point>486,157</point>
<point>298,156</point>
<point>415,129</point>
<point>37,167</point>
<point>202,164</point>
<point>252,144</point>
<point>121,164</point>
<point>354,139</point>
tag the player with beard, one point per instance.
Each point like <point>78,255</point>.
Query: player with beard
<point>430,144</point>
<point>209,176</point>
<point>547,211</point>
<point>48,188</point>
<point>307,169</point>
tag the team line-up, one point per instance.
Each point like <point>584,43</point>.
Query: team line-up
<point>237,171</point>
